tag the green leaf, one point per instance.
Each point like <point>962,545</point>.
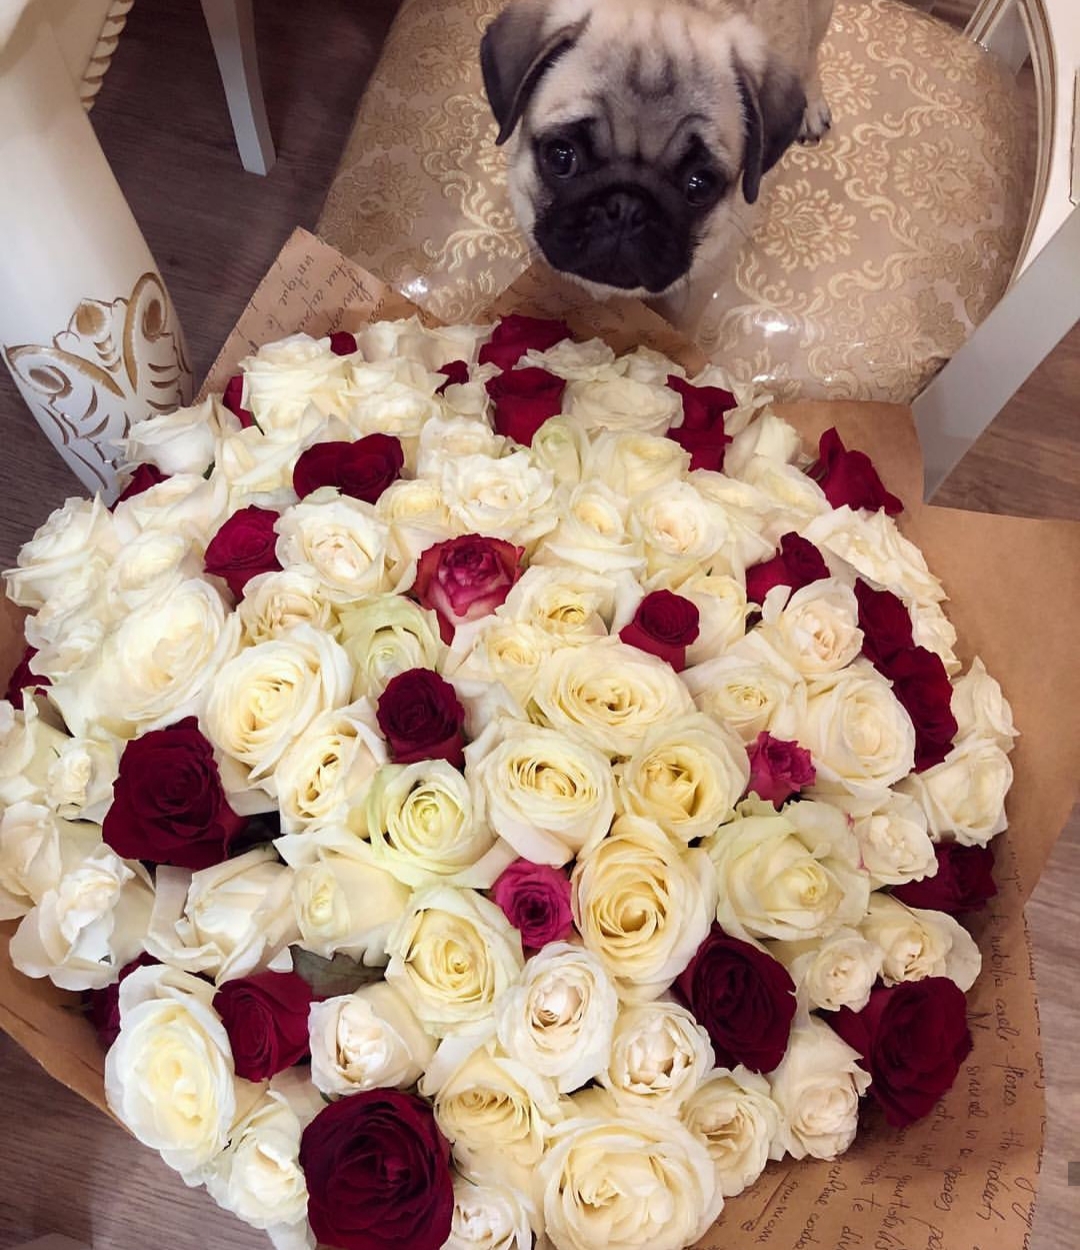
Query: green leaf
<point>330,978</point>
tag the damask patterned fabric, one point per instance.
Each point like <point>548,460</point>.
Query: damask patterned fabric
<point>870,258</point>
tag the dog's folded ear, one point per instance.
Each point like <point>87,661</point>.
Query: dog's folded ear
<point>516,49</point>
<point>773,114</point>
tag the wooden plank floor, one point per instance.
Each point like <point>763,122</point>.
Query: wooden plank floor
<point>214,229</point>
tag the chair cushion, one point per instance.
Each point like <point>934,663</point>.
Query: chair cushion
<point>872,256</point>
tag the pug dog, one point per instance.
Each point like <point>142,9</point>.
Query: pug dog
<point>636,125</point>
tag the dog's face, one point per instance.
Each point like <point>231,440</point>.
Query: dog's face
<point>637,126</point>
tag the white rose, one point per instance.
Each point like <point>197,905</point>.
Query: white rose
<point>932,629</point>
<point>817,1089</point>
<point>488,1217</point>
<point>492,650</point>
<point>790,875</point>
<point>632,463</point>
<point>747,513</point>
<point>571,603</point>
<point>980,708</point>
<point>873,546</point>
<point>837,971</point>
<point>750,399</point>
<point>393,397</point>
<point>621,404</point>
<point>964,796</point>
<point>797,498</point>
<point>88,926</point>
<point>561,447</point>
<point>578,362</point>
<point>432,346</point>
<point>366,1040</point>
<point>182,441</point>
<point>549,796</point>
<point>340,540</point>
<point>147,568</point>
<point>385,635</point>
<point>169,1075</point>
<point>645,364</point>
<point>860,737</point>
<point>257,469</point>
<point>283,377</point>
<point>28,747</point>
<point>735,1115</point>
<point>643,906</point>
<point>659,1057</point>
<point>508,498</point>
<point>228,920</point>
<point>274,602</point>
<point>746,689</point>
<point>679,529</point>
<point>79,783</point>
<point>591,534</point>
<point>917,943</point>
<point>80,529</point>
<point>418,518</point>
<point>67,631</point>
<point>186,504</point>
<point>443,438</point>
<point>893,839</point>
<point>558,1020</point>
<point>38,849</point>
<point>452,954</point>
<point>686,775</point>
<point>816,628</point>
<point>769,438</point>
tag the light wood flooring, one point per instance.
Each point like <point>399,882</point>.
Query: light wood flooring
<point>214,230</point>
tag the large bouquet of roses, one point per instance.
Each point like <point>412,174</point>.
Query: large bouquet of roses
<point>493,790</point>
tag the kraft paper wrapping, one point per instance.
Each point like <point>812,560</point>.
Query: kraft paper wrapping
<point>965,1177</point>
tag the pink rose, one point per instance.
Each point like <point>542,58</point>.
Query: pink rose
<point>778,769</point>
<point>535,898</point>
<point>465,578</point>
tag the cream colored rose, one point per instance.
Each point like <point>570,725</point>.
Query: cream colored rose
<point>837,971</point>
<point>769,438</point>
<point>147,568</point>
<point>169,1076</point>
<point>366,1040</point>
<point>264,698</point>
<point>80,529</point>
<point>37,850</point>
<point>549,796</point>
<point>631,1180</point>
<point>860,737</point>
<point>620,404</point>
<point>590,361</point>
<point>443,438</point>
<point>424,827</point>
<point>964,796</point>
<point>643,906</point>
<point>489,1217</point>
<point>68,629</point>
<point>84,929</point>
<point>796,498</point>
<point>507,498</point>
<point>817,1089</point>
<point>339,540</point>
<point>28,747</point>
<point>893,839</point>
<point>659,1057</point>
<point>418,518</point>
<point>257,469</point>
<point>451,955</point>
<point>79,783</point>
<point>735,1115</point>
<point>748,514</point>
<point>632,463</point>
<point>932,629</point>
<point>561,447</point>
<point>226,921</point>
<point>645,364</point>
<point>275,602</point>
<point>746,689</point>
<point>284,377</point>
<point>980,708</point>
<point>750,398</point>
<point>790,875</point>
<point>492,650</point>
<point>680,530</point>
<point>591,534</point>
<point>873,546</point>
<point>432,346</point>
<point>558,1020</point>
<point>183,441</point>
<point>573,604</point>
<point>686,776</point>
<point>384,635</point>
<point>817,628</point>
<point>917,943</point>
<point>393,397</point>
<point>607,694</point>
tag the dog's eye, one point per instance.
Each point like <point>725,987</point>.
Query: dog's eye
<point>560,158</point>
<point>700,187</point>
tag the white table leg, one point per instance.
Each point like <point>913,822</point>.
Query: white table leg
<point>232,31</point>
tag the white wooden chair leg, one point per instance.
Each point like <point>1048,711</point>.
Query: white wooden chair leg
<point>232,30</point>
<point>1037,311</point>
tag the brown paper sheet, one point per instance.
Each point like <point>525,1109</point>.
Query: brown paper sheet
<point>965,1177</point>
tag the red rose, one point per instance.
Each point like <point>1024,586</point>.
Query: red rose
<point>266,1018</point>
<point>168,803</point>
<point>922,686</point>
<point>24,678</point>
<point>145,476</point>
<point>535,898</point>
<point>421,718</point>
<point>778,769</point>
<point>963,882</point>
<point>885,623</point>
<point>342,343</point>
<point>665,624</point>
<point>378,1173</point>
<point>457,374</point>
<point>104,1005</point>
<point>849,477</point>
<point>702,430</point>
<point>797,565</point>
<point>743,998</point>
<point>363,469</point>
<point>524,399</point>
<point>515,335</point>
<point>912,1039</point>
<point>233,399</point>
<point>243,548</point>
<point>465,578</point>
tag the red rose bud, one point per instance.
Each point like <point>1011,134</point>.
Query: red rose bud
<point>922,686</point>
<point>421,718</point>
<point>912,1039</point>
<point>466,578</point>
<point>702,430</point>
<point>363,469</point>
<point>535,898</point>
<point>849,477</point>
<point>885,623</point>
<point>778,769</point>
<point>233,399</point>
<point>743,998</point>
<point>515,335</point>
<point>665,624</point>
<point>145,476</point>
<point>266,1018</point>
<point>104,1005</point>
<point>243,547</point>
<point>797,565</point>
<point>524,399</point>
<point>168,805</point>
<point>378,1173</point>
<point>964,881</point>
<point>342,343</point>
<point>23,679</point>
<point>457,374</point>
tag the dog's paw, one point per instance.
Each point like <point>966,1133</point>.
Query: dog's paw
<point>816,122</point>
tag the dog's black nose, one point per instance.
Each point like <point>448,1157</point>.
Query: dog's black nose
<point>627,211</point>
